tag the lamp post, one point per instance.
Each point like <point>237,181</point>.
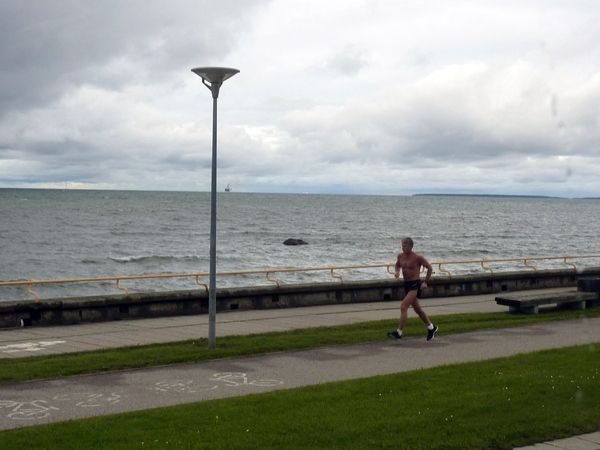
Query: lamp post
<point>213,78</point>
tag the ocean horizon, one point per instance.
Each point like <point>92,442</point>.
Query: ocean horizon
<point>229,189</point>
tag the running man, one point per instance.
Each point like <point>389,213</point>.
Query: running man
<point>410,263</point>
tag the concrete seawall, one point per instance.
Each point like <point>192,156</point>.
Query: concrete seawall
<point>144,305</point>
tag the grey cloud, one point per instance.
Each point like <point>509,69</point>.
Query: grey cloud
<point>59,151</point>
<point>185,160</point>
<point>350,61</point>
<point>454,116</point>
<point>49,46</point>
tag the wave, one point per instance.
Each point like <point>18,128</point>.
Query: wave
<point>90,261</point>
<point>15,280</point>
<point>147,258</point>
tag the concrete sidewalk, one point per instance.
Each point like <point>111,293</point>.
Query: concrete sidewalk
<point>47,401</point>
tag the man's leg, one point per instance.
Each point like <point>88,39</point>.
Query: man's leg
<point>417,307</point>
<point>409,300</point>
<point>431,328</point>
<point>410,297</point>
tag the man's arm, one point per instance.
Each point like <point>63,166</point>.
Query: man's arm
<point>397,267</point>
<point>426,264</point>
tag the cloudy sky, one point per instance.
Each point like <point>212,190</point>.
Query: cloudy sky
<point>336,96</point>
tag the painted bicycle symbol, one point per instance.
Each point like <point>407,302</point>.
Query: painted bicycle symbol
<point>28,346</point>
<point>87,400</point>
<point>38,409</point>
<point>240,379</point>
<point>35,409</point>
<point>182,386</point>
<point>229,379</point>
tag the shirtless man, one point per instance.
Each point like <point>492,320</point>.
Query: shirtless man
<point>410,263</point>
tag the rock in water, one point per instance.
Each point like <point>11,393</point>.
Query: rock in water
<point>292,241</point>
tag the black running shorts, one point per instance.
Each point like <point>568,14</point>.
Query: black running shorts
<point>413,286</point>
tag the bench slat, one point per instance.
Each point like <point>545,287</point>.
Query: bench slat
<point>528,302</point>
<point>526,299</point>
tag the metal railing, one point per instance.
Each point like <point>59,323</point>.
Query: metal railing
<point>268,272</point>
<point>524,260</point>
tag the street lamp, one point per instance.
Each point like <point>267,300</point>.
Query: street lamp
<point>213,78</point>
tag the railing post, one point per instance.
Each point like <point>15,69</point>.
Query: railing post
<point>37,298</point>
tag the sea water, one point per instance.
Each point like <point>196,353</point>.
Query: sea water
<point>54,234</point>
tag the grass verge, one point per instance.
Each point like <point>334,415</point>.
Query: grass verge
<point>55,366</point>
<point>499,403</point>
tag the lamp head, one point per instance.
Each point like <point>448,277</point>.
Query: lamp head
<point>215,76</point>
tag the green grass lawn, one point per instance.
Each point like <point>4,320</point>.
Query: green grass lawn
<point>54,366</point>
<point>493,404</point>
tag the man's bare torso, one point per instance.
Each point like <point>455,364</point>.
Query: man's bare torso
<point>410,264</point>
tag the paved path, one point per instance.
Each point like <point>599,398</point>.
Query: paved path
<point>32,403</point>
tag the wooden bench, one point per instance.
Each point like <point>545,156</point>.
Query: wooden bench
<point>529,302</point>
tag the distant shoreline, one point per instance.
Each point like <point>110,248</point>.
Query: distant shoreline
<point>502,196</point>
<point>484,195</point>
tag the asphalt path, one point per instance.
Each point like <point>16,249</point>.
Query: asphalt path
<point>47,401</point>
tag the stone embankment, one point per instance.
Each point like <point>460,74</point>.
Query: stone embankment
<point>145,305</point>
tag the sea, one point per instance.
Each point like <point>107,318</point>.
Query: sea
<point>72,234</point>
